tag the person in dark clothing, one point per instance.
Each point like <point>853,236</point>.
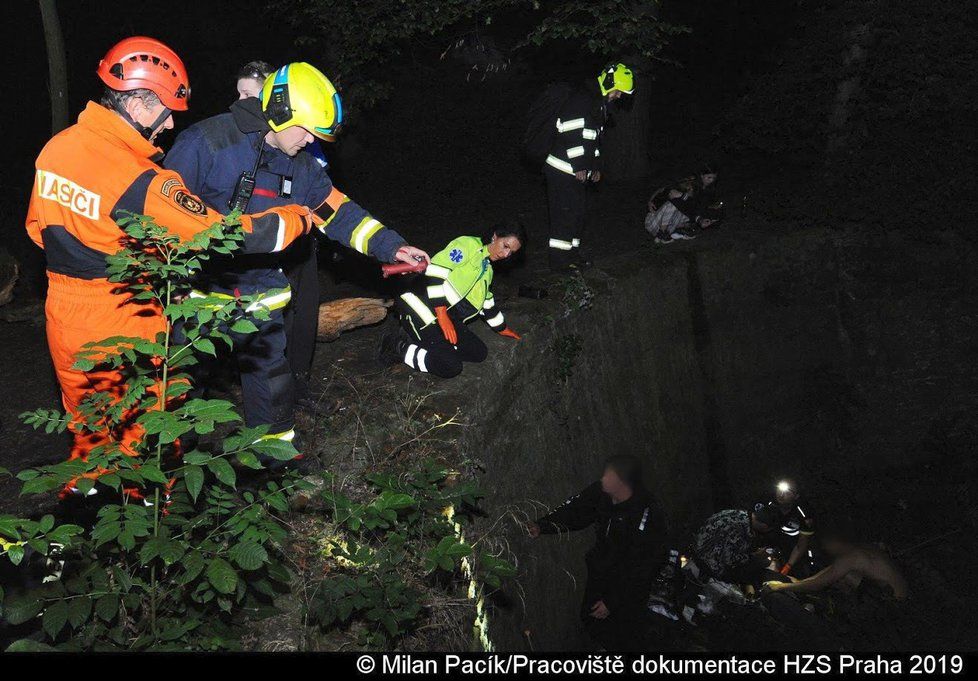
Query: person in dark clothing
<point>255,157</point>
<point>629,549</point>
<point>299,262</point>
<point>574,160</point>
<point>789,529</point>
<point>724,547</point>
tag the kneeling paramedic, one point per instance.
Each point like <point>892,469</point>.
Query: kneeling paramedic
<point>630,546</point>
<point>254,158</point>
<point>93,173</point>
<point>455,289</point>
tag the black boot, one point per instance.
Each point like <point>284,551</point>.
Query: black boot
<point>392,348</point>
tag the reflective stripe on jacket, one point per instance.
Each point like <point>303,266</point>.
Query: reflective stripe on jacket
<point>95,171</point>
<point>212,154</point>
<point>577,144</point>
<point>459,272</point>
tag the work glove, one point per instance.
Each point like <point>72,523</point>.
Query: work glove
<point>509,333</point>
<point>447,327</point>
<point>306,218</point>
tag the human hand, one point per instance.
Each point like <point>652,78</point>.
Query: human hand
<point>581,175</point>
<point>411,255</point>
<point>533,529</point>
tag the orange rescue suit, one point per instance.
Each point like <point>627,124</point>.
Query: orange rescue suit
<point>87,176</point>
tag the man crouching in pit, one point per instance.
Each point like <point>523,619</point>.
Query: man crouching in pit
<point>629,549</point>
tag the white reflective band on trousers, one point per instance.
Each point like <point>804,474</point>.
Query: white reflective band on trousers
<point>589,134</point>
<point>562,166</point>
<point>574,152</point>
<point>495,321</point>
<point>576,243</point>
<point>419,308</point>
<point>414,357</point>
<point>561,245</point>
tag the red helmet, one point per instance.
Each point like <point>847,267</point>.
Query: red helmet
<point>141,62</point>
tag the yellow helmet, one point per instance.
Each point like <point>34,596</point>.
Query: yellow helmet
<point>299,94</point>
<point>616,77</point>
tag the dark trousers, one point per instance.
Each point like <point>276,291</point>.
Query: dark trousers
<point>267,388</point>
<point>626,627</point>
<point>567,200</point>
<point>428,351</point>
<point>302,314</point>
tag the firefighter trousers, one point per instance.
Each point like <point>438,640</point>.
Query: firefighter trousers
<point>267,385</point>
<point>302,314</point>
<point>429,352</point>
<point>567,201</point>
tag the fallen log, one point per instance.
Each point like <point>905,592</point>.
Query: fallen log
<point>338,316</point>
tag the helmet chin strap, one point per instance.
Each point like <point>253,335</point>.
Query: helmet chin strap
<point>143,130</point>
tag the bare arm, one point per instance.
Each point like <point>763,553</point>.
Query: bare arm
<point>823,580</point>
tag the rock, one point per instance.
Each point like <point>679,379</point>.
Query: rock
<point>338,316</point>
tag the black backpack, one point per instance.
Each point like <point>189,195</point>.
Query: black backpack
<point>541,121</point>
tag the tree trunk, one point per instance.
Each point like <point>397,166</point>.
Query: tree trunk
<point>57,65</point>
<point>625,147</point>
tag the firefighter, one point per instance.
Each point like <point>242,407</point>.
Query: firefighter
<point>91,173</point>
<point>574,160</point>
<point>628,551</point>
<point>255,158</point>
<point>784,521</point>
<point>455,289</point>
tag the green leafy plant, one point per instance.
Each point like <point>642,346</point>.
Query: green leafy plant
<point>576,294</point>
<point>410,527</point>
<point>361,40</point>
<point>566,350</point>
<point>175,552</point>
